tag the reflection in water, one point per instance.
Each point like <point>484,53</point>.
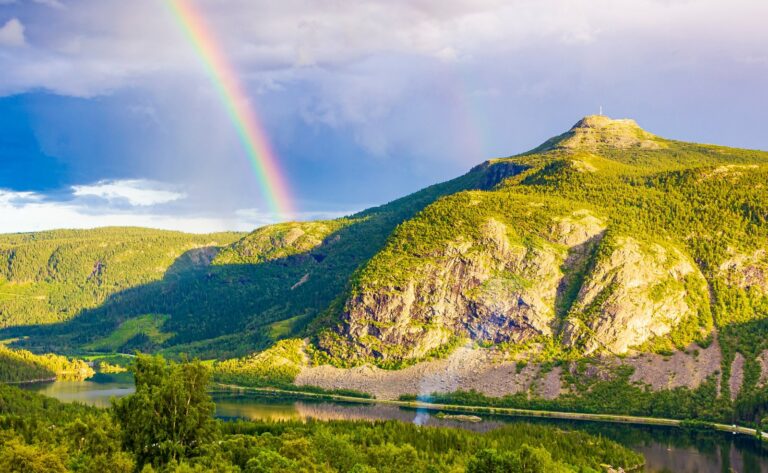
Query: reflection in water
<point>725,457</point>
<point>666,449</point>
<point>230,406</point>
<point>664,458</point>
<point>96,391</point>
<point>669,449</point>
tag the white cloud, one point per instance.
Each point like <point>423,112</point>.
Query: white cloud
<point>15,199</point>
<point>135,192</point>
<point>32,211</point>
<point>12,33</point>
<point>50,3</point>
<point>22,215</point>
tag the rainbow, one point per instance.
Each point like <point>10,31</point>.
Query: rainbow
<point>236,103</point>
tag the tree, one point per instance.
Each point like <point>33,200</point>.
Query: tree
<point>525,460</point>
<point>171,413</point>
<point>18,457</point>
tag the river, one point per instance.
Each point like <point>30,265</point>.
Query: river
<point>666,449</point>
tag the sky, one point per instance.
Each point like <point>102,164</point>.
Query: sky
<point>108,117</point>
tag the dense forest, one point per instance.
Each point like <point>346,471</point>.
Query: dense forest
<point>18,366</point>
<point>53,276</point>
<point>39,434</point>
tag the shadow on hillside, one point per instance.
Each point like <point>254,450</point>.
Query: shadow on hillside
<point>230,305</point>
<point>227,310</point>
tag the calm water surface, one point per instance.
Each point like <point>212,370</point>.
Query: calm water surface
<point>666,449</point>
<point>96,391</point>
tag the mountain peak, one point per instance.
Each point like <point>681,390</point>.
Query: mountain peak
<point>595,131</point>
<point>598,122</point>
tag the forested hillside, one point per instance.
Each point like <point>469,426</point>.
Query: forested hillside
<point>610,240</point>
<point>48,277</point>
<point>266,286</point>
<point>20,366</point>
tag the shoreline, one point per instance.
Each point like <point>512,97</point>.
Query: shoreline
<point>488,410</point>
<point>504,411</point>
<point>31,381</point>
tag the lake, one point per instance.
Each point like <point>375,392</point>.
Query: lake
<point>666,449</point>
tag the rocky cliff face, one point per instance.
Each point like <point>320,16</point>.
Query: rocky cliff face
<point>491,289</point>
<point>494,290</point>
<point>746,271</point>
<point>633,293</point>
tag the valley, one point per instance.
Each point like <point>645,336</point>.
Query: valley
<point>607,272</point>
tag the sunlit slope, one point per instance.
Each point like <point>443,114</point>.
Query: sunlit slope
<point>611,240</point>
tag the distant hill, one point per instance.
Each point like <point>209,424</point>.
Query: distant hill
<point>51,276</point>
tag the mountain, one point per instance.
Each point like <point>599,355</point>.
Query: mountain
<point>606,240</point>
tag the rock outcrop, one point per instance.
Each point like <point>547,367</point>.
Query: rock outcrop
<point>594,294</point>
<point>492,290</point>
<point>746,271</point>
<point>598,130</point>
<point>634,292</point>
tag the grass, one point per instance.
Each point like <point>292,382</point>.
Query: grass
<point>283,328</point>
<point>149,325</point>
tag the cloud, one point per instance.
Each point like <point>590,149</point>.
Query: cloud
<point>23,212</point>
<point>134,192</point>
<point>12,33</point>
<point>50,3</point>
<point>92,47</point>
<point>33,211</point>
<point>16,199</point>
